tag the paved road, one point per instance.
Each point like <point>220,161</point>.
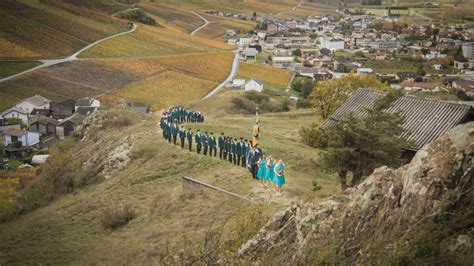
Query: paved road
<point>206,22</point>
<point>233,71</point>
<point>52,62</point>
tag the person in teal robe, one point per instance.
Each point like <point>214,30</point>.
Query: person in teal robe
<point>262,170</point>
<point>279,176</point>
<point>269,170</point>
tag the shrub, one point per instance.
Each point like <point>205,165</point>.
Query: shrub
<point>313,136</point>
<point>113,218</point>
<point>138,16</point>
<point>303,103</point>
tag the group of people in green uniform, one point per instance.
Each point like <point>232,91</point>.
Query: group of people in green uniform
<point>239,152</point>
<point>172,119</point>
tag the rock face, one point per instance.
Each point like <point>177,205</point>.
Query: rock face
<point>422,212</point>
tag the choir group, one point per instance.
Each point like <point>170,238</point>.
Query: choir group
<point>240,152</point>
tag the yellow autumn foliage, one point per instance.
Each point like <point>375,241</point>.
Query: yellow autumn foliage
<point>212,66</point>
<point>148,41</point>
<point>164,90</point>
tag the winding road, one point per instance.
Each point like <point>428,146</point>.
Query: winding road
<point>235,62</point>
<point>233,71</point>
<point>206,22</point>
<point>52,62</point>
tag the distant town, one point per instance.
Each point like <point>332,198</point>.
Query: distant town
<point>430,58</point>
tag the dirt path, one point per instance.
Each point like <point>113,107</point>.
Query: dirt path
<point>52,62</point>
<point>206,22</point>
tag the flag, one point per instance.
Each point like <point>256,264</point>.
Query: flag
<point>256,130</point>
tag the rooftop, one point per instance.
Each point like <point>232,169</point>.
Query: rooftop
<point>425,120</point>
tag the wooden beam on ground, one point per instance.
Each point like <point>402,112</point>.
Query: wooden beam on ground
<point>205,185</point>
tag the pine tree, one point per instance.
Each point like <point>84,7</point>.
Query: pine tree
<point>355,146</point>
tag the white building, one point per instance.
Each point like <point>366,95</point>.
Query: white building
<point>365,70</point>
<point>238,83</point>
<point>87,102</point>
<point>17,113</point>
<point>468,50</point>
<point>254,85</point>
<point>331,44</point>
<point>34,102</point>
<point>27,138</point>
<point>261,35</point>
<point>283,61</point>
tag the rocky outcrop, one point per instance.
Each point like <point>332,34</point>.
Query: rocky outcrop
<point>421,212</point>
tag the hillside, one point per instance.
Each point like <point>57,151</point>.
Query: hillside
<point>420,213</point>
<point>145,173</point>
<point>49,29</point>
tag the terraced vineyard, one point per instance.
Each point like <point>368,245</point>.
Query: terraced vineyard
<point>182,19</point>
<point>8,68</point>
<point>217,29</point>
<point>39,29</point>
<point>150,41</point>
<point>190,77</point>
<point>276,76</point>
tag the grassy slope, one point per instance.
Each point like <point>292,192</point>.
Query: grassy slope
<point>167,220</point>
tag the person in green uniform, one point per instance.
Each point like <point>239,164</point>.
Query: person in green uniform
<point>174,131</point>
<point>279,176</point>
<point>205,143</point>
<point>238,151</point>
<point>189,136</point>
<point>221,143</point>
<point>182,136</point>
<point>197,138</point>
<point>234,150</point>
<point>229,149</point>
<point>212,145</point>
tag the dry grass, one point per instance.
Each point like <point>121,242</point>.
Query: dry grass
<point>269,74</point>
<point>168,221</point>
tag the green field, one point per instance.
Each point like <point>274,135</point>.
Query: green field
<point>8,68</point>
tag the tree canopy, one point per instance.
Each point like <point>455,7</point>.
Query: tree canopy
<point>354,146</point>
<point>328,95</point>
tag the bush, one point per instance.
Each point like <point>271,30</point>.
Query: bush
<point>120,118</point>
<point>313,136</point>
<point>113,218</point>
<point>247,104</point>
<point>138,16</point>
<point>303,103</point>
<point>285,105</point>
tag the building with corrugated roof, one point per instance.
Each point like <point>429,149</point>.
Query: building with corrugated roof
<point>425,119</point>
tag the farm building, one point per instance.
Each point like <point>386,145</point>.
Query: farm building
<point>26,138</point>
<point>34,102</point>
<point>16,113</point>
<point>62,110</point>
<point>87,102</point>
<point>42,124</point>
<point>254,85</point>
<point>425,120</point>
<point>68,125</point>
